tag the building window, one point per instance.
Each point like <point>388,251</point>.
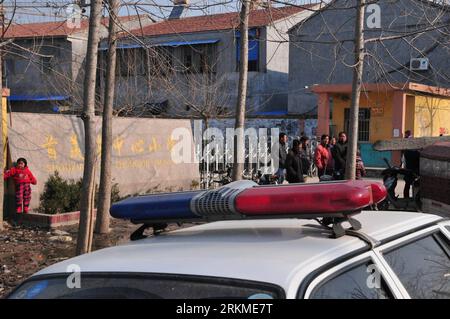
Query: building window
<point>199,58</point>
<point>10,66</point>
<point>130,62</point>
<point>49,58</point>
<point>363,124</point>
<point>187,59</point>
<point>47,65</point>
<point>160,61</point>
<point>253,50</point>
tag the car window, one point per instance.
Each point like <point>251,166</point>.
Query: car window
<point>359,282</point>
<point>423,267</point>
<point>113,286</point>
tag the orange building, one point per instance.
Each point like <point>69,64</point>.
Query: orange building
<point>386,112</point>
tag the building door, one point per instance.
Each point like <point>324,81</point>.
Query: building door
<point>363,124</point>
<point>370,157</point>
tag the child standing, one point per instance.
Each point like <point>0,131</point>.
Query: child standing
<point>360,169</point>
<point>22,178</point>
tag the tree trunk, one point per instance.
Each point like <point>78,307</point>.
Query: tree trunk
<point>88,117</point>
<point>350,167</point>
<point>104,198</point>
<point>239,146</point>
<point>2,122</point>
<point>2,146</point>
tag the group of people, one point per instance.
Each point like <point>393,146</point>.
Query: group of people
<point>329,157</point>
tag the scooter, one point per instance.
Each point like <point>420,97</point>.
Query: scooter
<point>390,178</point>
<point>266,179</point>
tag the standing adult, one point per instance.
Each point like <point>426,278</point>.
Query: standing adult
<point>305,153</point>
<point>330,148</point>
<point>294,169</point>
<point>282,139</point>
<point>340,156</point>
<point>412,162</point>
<point>332,142</point>
<point>408,134</point>
<point>323,157</point>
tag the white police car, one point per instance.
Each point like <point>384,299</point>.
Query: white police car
<point>287,241</point>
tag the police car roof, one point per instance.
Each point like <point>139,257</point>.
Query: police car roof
<point>273,251</point>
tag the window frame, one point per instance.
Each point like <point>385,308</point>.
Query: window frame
<point>9,66</point>
<point>159,62</point>
<point>124,57</point>
<point>331,273</point>
<point>256,37</point>
<point>200,55</point>
<point>400,242</point>
<point>47,65</point>
<point>445,228</point>
<point>229,282</point>
<point>361,121</point>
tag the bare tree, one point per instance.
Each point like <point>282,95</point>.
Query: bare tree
<point>84,242</point>
<point>350,169</point>
<point>2,146</point>
<point>104,199</point>
<point>432,106</point>
<point>239,146</point>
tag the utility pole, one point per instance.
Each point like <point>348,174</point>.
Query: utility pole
<point>88,116</point>
<point>239,145</point>
<point>350,167</point>
<point>104,200</point>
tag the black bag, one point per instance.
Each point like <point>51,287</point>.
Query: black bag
<point>325,177</point>
<point>338,174</point>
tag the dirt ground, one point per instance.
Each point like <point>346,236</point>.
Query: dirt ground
<point>26,250</point>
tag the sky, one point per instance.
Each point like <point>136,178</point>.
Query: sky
<point>27,11</point>
<point>51,10</point>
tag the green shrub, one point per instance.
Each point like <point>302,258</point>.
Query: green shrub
<point>63,196</point>
<point>60,195</point>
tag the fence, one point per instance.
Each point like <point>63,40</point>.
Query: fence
<point>216,169</point>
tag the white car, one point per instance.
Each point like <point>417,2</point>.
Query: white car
<point>393,255</point>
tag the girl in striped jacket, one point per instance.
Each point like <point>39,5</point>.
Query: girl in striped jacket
<point>22,178</point>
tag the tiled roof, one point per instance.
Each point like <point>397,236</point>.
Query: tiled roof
<point>215,22</point>
<point>53,29</point>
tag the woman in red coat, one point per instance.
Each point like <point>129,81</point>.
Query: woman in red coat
<point>22,178</point>
<point>323,158</point>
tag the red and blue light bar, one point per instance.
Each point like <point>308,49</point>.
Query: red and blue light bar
<point>246,199</point>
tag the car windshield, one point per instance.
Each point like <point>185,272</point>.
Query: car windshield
<point>138,286</point>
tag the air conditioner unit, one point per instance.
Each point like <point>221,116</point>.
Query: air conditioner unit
<point>419,64</point>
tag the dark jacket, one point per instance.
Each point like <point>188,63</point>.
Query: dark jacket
<point>282,156</point>
<point>339,153</point>
<point>294,171</point>
<point>412,160</point>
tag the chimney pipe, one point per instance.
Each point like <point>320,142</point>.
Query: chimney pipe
<point>178,9</point>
